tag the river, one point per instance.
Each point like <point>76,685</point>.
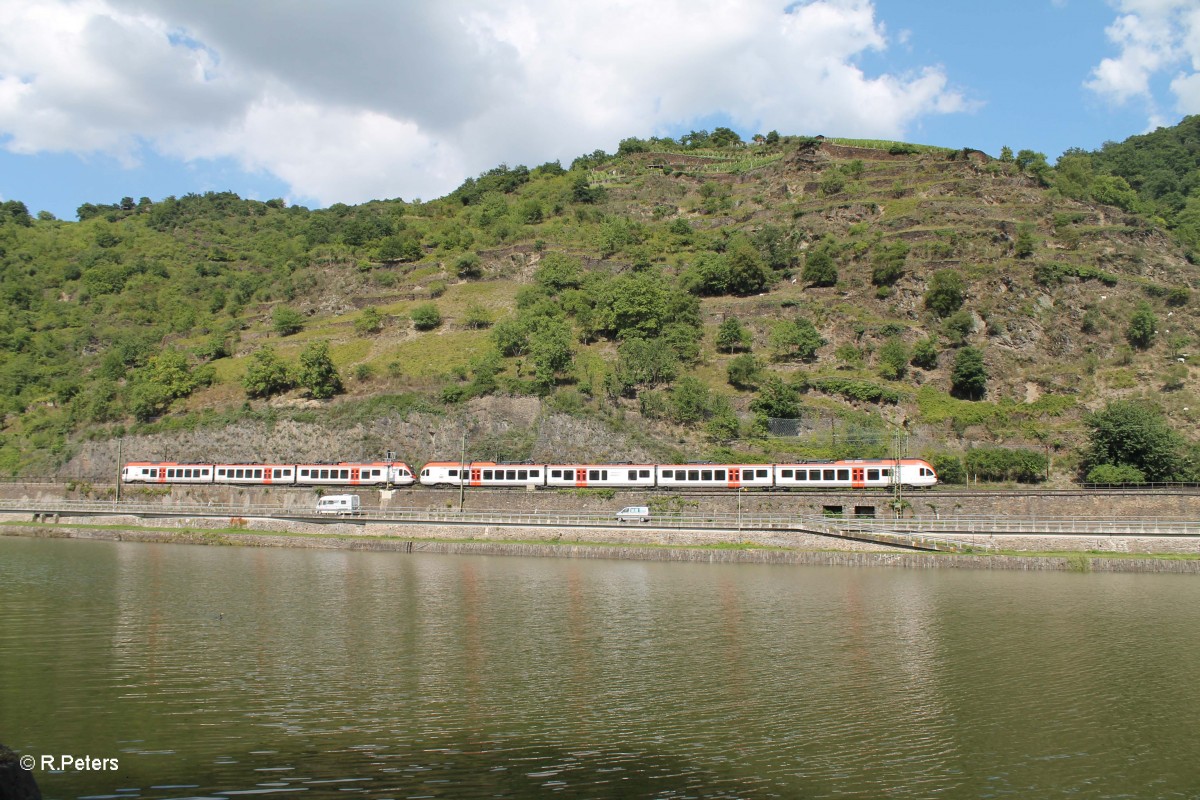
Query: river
<point>224,672</point>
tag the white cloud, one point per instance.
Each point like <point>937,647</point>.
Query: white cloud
<point>1156,39</point>
<point>350,101</point>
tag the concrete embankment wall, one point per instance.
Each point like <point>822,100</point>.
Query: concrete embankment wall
<point>855,558</point>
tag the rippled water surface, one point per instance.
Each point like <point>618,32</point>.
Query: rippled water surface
<point>223,672</point>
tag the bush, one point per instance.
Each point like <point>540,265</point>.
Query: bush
<point>945,293</point>
<point>286,321</point>
<point>1002,464</point>
<point>949,468</point>
<point>426,317</point>
<point>819,269</point>
<point>1114,473</point>
<point>969,377</point>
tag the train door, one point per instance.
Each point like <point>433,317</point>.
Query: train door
<point>354,475</point>
<point>580,477</point>
<point>476,476</point>
<point>267,472</point>
<point>857,480</point>
<point>735,477</point>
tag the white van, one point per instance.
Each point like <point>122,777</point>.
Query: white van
<point>343,505</point>
<point>634,514</point>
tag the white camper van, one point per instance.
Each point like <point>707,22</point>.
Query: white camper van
<point>343,505</point>
<point>634,514</point>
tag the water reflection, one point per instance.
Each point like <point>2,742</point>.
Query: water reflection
<point>214,671</point>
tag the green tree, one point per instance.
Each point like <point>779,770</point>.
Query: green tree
<point>558,271</point>
<point>796,339</point>
<point>744,372</point>
<point>468,265</point>
<point>969,377</point>
<point>1133,434</point>
<point>550,350</point>
<point>266,374</point>
<point>775,399</point>
<point>426,317</point>
<point>723,422</point>
<point>893,359</point>
<point>317,374</point>
<point>945,293</point>
<point>1025,244</point>
<point>819,269</point>
<point>369,322</point>
<point>286,321</point>
<point>690,400</point>
<point>644,362</point>
<point>1143,326</point>
<point>949,468</point>
<point>887,264</point>
<point>747,272</point>
<point>511,337</point>
<point>477,317</point>
<point>732,336</point>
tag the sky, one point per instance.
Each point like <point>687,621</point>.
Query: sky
<point>344,101</point>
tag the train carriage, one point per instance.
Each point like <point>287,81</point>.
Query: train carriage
<point>255,474</point>
<point>482,474</point>
<point>166,472</point>
<point>582,476</point>
<point>354,474</point>
<point>714,476</point>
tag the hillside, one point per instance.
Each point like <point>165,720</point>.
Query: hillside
<point>665,302</point>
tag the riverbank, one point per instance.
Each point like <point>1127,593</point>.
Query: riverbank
<point>533,542</point>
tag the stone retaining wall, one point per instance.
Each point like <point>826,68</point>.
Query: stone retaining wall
<point>858,558</point>
<point>942,502</point>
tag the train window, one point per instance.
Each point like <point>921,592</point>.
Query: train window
<point>453,473</point>
<point>170,473</point>
<point>668,473</point>
<point>534,473</point>
<point>719,474</point>
<point>843,475</point>
<point>693,474</point>
<point>706,474</point>
<point>258,473</point>
<point>522,475</point>
<point>924,472</point>
<point>221,473</point>
<point>345,474</point>
<point>643,473</point>
<point>154,473</point>
<point>510,475</point>
<point>593,474</point>
<point>887,473</point>
<point>786,473</point>
<point>632,475</point>
<point>828,475</point>
<point>487,474</point>
<point>872,474</point>
<point>556,473</point>
<point>303,473</point>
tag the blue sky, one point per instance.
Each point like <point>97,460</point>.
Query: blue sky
<point>324,102</point>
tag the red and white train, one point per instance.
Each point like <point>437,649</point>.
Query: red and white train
<point>376,473</point>
<point>843,474</point>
